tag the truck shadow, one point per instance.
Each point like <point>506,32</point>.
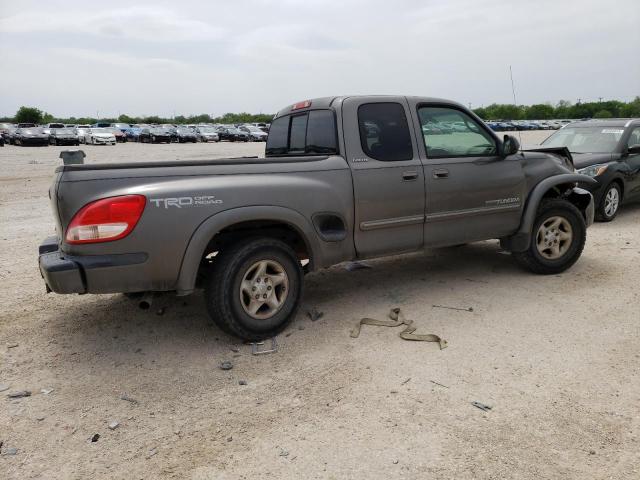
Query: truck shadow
<point>116,328</point>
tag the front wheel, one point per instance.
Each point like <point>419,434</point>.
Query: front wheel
<point>610,203</point>
<point>254,288</point>
<point>558,237</point>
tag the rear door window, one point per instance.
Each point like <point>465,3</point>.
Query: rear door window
<point>384,132</point>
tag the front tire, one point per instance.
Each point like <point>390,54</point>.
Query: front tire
<point>557,240</point>
<point>610,203</point>
<point>254,289</point>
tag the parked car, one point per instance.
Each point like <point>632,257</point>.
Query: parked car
<point>99,136</point>
<point>609,152</point>
<point>133,134</point>
<point>120,126</point>
<point>119,134</point>
<point>243,228</point>
<point>184,134</point>
<point>255,134</point>
<point>154,135</point>
<point>25,136</point>
<point>206,133</point>
<point>101,125</point>
<point>63,136</point>
<point>81,132</point>
<point>232,134</point>
<point>5,131</point>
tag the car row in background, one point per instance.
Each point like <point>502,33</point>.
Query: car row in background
<point>520,125</point>
<point>112,133</point>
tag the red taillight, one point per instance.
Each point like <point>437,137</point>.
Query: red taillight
<point>106,220</point>
<point>299,105</point>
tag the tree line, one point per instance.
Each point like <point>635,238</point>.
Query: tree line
<point>37,116</point>
<point>563,109</point>
<point>496,111</point>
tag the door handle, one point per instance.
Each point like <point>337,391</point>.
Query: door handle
<point>441,173</point>
<point>411,175</point>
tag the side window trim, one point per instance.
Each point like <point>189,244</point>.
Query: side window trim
<point>480,125</point>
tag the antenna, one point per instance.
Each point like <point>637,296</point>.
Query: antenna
<point>515,104</point>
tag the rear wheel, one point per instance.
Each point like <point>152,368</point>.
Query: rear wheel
<point>610,203</point>
<point>254,288</point>
<point>558,237</point>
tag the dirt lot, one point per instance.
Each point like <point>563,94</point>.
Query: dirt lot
<point>558,359</point>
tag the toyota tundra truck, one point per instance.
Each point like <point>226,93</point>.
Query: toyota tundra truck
<point>343,178</point>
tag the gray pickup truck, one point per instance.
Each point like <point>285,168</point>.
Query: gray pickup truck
<point>344,178</point>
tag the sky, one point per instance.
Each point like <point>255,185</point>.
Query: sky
<point>189,57</point>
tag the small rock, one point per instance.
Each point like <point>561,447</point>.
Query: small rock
<point>39,419</point>
<point>592,452</point>
<point>226,365</point>
<point>10,451</point>
<point>12,345</point>
<point>137,350</point>
<point>300,327</point>
<point>113,425</point>
<point>95,438</point>
<point>395,462</point>
<point>234,349</point>
<point>229,439</point>
<point>46,391</point>
<point>314,314</point>
<point>152,452</point>
<point>19,394</point>
<point>283,453</point>
<point>242,382</point>
<point>161,311</point>
<point>3,387</point>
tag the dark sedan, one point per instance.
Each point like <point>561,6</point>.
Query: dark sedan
<point>154,135</point>
<point>232,134</point>
<point>63,136</point>
<point>30,136</point>
<point>184,134</point>
<point>608,151</point>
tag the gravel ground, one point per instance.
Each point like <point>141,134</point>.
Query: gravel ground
<point>557,358</point>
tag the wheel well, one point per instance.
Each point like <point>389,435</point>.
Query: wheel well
<point>620,184</point>
<point>256,228</point>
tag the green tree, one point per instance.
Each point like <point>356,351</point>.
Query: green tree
<point>29,115</point>
<point>124,118</point>
<point>602,114</point>
<point>541,111</point>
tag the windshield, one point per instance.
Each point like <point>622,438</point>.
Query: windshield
<point>184,130</point>
<point>64,131</point>
<point>159,131</point>
<point>586,139</point>
<point>206,130</point>
<point>251,128</point>
<point>100,130</point>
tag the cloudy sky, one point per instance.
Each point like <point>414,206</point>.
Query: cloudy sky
<point>157,57</point>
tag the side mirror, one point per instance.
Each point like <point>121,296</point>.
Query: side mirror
<point>510,145</point>
<point>633,149</point>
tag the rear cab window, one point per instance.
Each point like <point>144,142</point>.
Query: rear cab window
<point>308,133</point>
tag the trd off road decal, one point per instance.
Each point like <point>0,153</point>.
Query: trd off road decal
<point>513,201</point>
<point>181,202</point>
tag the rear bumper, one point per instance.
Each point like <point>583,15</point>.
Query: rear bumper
<point>64,273</point>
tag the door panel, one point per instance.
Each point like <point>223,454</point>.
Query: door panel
<point>389,195</point>
<point>470,195</point>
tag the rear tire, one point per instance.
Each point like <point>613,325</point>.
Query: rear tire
<point>610,203</point>
<point>557,239</point>
<point>263,266</point>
